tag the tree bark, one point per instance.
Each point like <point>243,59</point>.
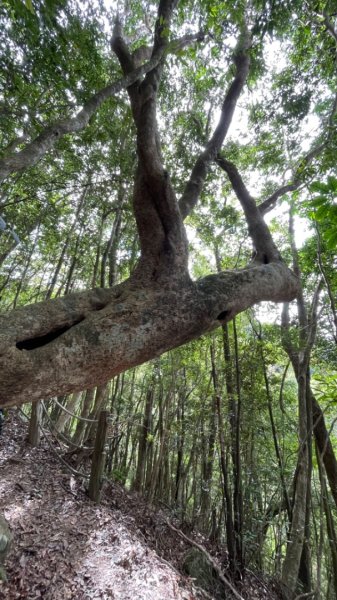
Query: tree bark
<point>291,565</point>
<point>144,431</point>
<point>81,424</point>
<point>233,402</point>
<point>332,537</point>
<point>34,433</point>
<point>98,460</point>
<point>65,345</point>
<point>64,417</point>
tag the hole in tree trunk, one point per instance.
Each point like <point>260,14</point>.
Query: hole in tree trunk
<point>223,315</point>
<point>43,340</point>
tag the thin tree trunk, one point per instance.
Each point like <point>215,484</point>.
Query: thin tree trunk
<point>34,433</point>
<point>230,534</point>
<point>144,431</point>
<point>110,252</point>
<point>330,525</point>
<point>81,425</point>
<point>71,406</point>
<point>274,433</point>
<point>234,415</point>
<point>19,288</point>
<point>238,501</point>
<point>99,404</point>
<point>98,254</point>
<point>208,459</point>
<point>66,245</point>
<point>291,565</point>
<point>74,259</point>
<point>178,494</point>
<point>297,554</point>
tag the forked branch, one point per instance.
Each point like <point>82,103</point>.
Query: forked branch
<point>162,236</point>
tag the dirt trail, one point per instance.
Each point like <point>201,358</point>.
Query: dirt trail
<point>66,547</point>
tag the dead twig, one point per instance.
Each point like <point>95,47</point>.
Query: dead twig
<point>218,571</point>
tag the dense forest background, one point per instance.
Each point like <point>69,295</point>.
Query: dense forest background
<point>236,431</point>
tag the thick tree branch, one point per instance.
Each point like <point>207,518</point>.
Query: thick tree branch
<point>162,235</point>
<point>148,144</point>
<point>121,49</point>
<point>265,248</point>
<point>270,202</point>
<point>69,344</point>
<point>47,139</point>
<point>194,185</point>
<point>165,12</point>
<point>178,44</point>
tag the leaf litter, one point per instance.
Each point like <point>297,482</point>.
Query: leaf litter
<point>65,547</point>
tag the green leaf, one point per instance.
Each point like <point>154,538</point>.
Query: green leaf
<point>332,240</point>
<point>29,6</point>
<point>318,201</point>
<point>318,186</point>
<point>322,212</point>
<point>332,183</point>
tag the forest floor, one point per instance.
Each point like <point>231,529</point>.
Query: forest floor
<point>65,547</point>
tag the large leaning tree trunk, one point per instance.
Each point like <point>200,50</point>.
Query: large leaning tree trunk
<point>68,344</point>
